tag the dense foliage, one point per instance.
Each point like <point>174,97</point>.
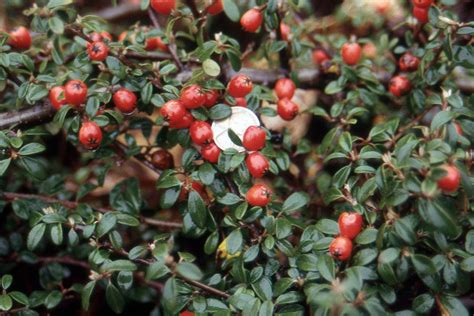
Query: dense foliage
<point>114,187</point>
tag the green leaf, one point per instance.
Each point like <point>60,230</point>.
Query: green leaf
<point>4,164</point>
<point>423,265</point>
<point>211,68</point>
<point>423,303</point>
<point>231,10</point>
<point>156,270</point>
<point>229,199</point>
<point>295,201</point>
<point>440,119</point>
<point>197,209</point>
<point>326,267</point>
<point>31,149</point>
<point>7,280</point>
<point>106,224</point>
<point>119,265</point>
<point>432,212</point>
<point>189,270</point>
<point>6,302</point>
<point>468,264</point>
<point>219,112</point>
<point>234,242</point>
<point>114,299</point>
<point>35,236</point>
<point>56,25</point>
<point>19,297</point>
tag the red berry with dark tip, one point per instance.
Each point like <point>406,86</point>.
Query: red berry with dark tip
<point>408,62</point>
<point>254,138</point>
<point>163,6</point>
<point>285,88</point>
<point>351,53</point>
<point>193,97</point>
<point>239,86</point>
<point>287,109</point>
<point>75,92</point>
<point>251,20</point>
<point>125,100</point>
<point>97,51</point>
<point>210,153</point>
<point>259,195</point>
<point>450,182</point>
<point>341,248</point>
<point>350,224</point>
<point>90,135</point>
<point>257,164</point>
<point>201,133</point>
<point>173,111</point>
<point>399,85</point>
<point>56,97</point>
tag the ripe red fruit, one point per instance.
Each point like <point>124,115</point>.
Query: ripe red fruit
<point>257,164</point>
<point>56,97</point>
<point>421,14</point>
<point>285,88</point>
<point>125,100</point>
<point>320,56</point>
<point>75,92</point>
<point>154,43</point>
<point>287,109</point>
<point>193,96</point>
<point>408,62</point>
<point>254,138</point>
<point>259,195</point>
<point>20,38</point>
<point>90,135</point>
<point>351,53</point>
<point>186,313</point>
<point>251,20</point>
<point>458,128</point>
<point>211,98</point>
<point>216,7</point>
<point>285,31</point>
<point>184,122</point>
<point>341,248</point>
<point>201,132</point>
<point>422,3</point>
<point>98,37</point>
<point>163,6</point>
<point>369,50</point>
<point>450,182</point>
<point>97,51</point>
<point>382,5</point>
<point>350,224</point>
<point>241,102</point>
<point>122,36</point>
<point>240,86</point>
<point>399,85</point>
<point>162,159</point>
<point>189,185</point>
<point>173,111</point>
<point>210,153</point>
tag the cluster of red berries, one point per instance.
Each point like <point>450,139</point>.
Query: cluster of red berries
<point>350,225</point>
<point>20,38</point>
<point>74,93</point>
<point>400,84</point>
<point>167,6</point>
<point>421,9</point>
<point>285,90</point>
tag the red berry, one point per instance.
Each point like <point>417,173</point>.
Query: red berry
<point>241,102</point>
<point>408,62</point>
<point>399,85</point>
<point>201,132</point>
<point>285,88</point>
<point>154,43</point>
<point>287,109</point>
<point>369,50</point>
<point>122,36</point>
<point>421,14</point>
<point>125,100</point>
<point>192,185</point>
<point>240,86</point>
<point>173,111</point>
<point>458,128</point>
<point>90,135</point>
<point>422,3</point>
<point>56,97</point>
<point>320,56</point>
<point>341,248</point>
<point>210,153</point>
<point>186,313</point>
<point>20,38</point>
<point>251,20</point>
<point>99,37</point>
<point>193,97</point>
<point>351,53</point>
<point>163,6</point>
<point>382,5</point>
<point>285,31</point>
<point>97,51</point>
<point>216,7</point>
<point>211,98</point>
<point>184,122</point>
<point>257,164</point>
<point>258,195</point>
<point>350,224</point>
<point>106,35</point>
<point>162,159</point>
<point>75,92</point>
<point>254,138</point>
<point>450,182</point>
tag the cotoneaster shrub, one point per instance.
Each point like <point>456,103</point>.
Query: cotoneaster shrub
<point>117,194</point>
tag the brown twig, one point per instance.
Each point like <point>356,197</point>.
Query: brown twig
<point>35,114</point>
<point>117,12</point>
<point>204,287</point>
